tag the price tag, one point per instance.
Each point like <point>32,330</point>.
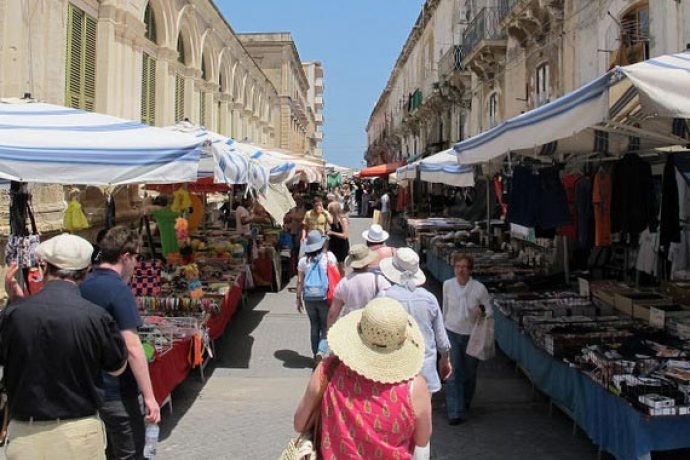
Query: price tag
<point>584,287</point>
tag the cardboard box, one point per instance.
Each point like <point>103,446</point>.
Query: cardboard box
<point>609,295</point>
<point>678,290</point>
<point>658,314</point>
<point>625,302</point>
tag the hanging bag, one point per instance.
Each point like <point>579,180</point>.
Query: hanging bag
<point>305,446</point>
<point>333,280</point>
<point>21,247</point>
<point>481,344</point>
<point>316,281</point>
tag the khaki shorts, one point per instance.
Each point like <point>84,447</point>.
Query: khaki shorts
<point>56,440</point>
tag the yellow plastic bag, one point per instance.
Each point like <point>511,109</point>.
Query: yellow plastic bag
<point>74,218</point>
<point>377,217</point>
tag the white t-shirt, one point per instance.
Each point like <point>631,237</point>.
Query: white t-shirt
<point>358,288</point>
<point>240,213</point>
<point>458,302</point>
<point>385,203</point>
<point>329,258</point>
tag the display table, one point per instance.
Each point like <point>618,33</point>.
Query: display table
<point>439,268</point>
<point>170,369</point>
<point>609,421</point>
<point>217,324</point>
<point>267,270</point>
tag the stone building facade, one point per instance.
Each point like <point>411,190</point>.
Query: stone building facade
<point>511,56</point>
<point>276,54</point>
<point>314,72</point>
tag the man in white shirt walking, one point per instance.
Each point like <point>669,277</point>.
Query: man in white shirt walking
<point>464,301</point>
<point>386,211</point>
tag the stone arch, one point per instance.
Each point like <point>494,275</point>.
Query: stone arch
<point>162,18</point>
<point>188,29</point>
<point>225,71</point>
<point>210,52</point>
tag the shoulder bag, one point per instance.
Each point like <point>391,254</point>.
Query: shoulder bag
<point>305,446</point>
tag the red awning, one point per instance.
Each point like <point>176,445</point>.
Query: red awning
<point>381,170</point>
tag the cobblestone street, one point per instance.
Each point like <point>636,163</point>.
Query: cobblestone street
<point>244,410</point>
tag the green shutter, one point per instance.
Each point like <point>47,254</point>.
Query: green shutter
<point>80,72</point>
<point>179,98</point>
<point>202,108</point>
<point>148,90</point>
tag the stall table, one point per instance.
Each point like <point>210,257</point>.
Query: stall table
<point>169,369</point>
<point>609,421</point>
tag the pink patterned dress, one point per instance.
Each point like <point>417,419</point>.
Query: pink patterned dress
<point>362,419</point>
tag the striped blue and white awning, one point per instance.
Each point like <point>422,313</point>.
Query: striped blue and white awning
<point>441,168</point>
<point>634,105</point>
<point>45,143</point>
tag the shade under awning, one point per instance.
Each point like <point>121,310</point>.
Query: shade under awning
<point>380,170</point>
<point>441,168</point>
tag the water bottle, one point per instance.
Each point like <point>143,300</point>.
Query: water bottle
<point>152,431</point>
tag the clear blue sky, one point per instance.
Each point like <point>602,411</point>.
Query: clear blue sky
<point>357,41</point>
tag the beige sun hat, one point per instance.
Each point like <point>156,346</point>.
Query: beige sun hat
<point>360,256</point>
<point>381,342</point>
<point>403,267</point>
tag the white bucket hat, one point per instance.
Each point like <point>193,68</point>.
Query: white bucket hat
<point>403,268</point>
<point>375,234</point>
<point>380,342</point>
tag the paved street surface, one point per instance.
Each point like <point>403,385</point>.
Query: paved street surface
<point>244,410</point>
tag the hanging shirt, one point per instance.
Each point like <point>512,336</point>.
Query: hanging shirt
<point>570,184</point>
<point>165,219</point>
<point>601,200</point>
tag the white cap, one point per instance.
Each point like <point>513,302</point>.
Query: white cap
<point>66,251</point>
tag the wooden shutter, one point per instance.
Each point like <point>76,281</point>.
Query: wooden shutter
<point>148,90</point>
<point>80,72</point>
<point>202,108</point>
<point>179,98</point>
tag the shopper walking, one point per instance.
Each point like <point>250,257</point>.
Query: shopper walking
<point>243,217</point>
<point>53,347</point>
<point>464,301</point>
<point>314,265</point>
<point>403,271</point>
<point>107,287</point>
<point>359,287</point>
<point>376,238</point>
<point>385,203</point>
<point>339,243</point>
<point>365,203</point>
<point>372,401</point>
<point>316,219</point>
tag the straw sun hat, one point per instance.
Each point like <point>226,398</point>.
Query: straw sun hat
<point>380,342</point>
<point>360,256</point>
<point>403,268</point>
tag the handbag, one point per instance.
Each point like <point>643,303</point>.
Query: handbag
<point>333,280</point>
<point>21,249</point>
<point>304,446</point>
<point>481,344</point>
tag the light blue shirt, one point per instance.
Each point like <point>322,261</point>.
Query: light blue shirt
<point>423,307</point>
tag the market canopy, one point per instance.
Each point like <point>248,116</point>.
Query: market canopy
<point>45,143</point>
<point>633,106</point>
<point>442,168</point>
<point>381,170</point>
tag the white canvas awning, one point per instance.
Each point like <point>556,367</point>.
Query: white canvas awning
<point>633,106</point>
<point>45,143</point>
<point>440,168</point>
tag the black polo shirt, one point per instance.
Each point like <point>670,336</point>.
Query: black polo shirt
<point>53,346</point>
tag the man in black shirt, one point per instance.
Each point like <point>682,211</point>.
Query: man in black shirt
<point>53,346</point>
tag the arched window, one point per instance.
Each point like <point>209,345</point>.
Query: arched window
<point>204,73</point>
<point>543,83</point>
<point>150,23</point>
<point>493,110</point>
<point>634,38</point>
<point>180,51</point>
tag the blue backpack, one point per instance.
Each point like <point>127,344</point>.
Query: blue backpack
<point>316,281</point>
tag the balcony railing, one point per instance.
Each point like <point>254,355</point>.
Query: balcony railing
<point>484,26</point>
<point>505,7</point>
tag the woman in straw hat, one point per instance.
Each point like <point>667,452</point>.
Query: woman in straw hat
<point>403,271</point>
<point>359,287</point>
<point>317,310</point>
<point>373,403</point>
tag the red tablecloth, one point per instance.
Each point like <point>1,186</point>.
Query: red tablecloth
<point>216,324</point>
<point>170,369</point>
<point>263,272</point>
